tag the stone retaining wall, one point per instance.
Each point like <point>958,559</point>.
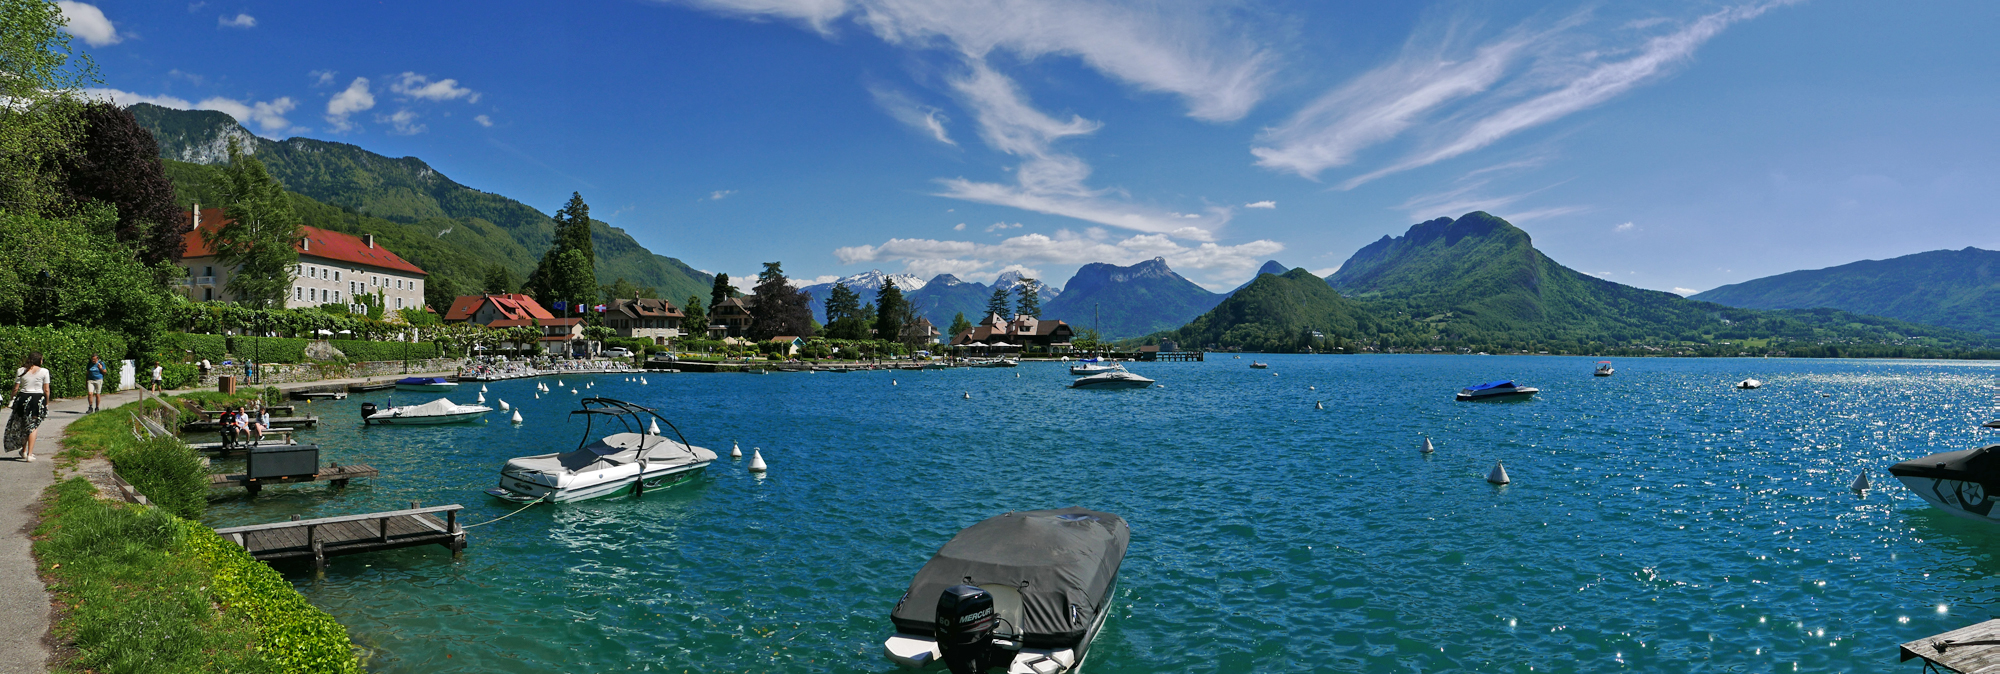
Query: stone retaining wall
<point>272,374</point>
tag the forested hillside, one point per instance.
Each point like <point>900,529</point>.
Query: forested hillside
<point>1953,288</point>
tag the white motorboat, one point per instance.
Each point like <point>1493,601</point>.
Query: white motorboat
<point>1603,369</point>
<point>440,411</point>
<point>1963,483</point>
<point>1081,369</point>
<point>1255,365</point>
<point>635,460</point>
<point>1025,591</point>
<point>1117,379</point>
<point>425,384</point>
<point>1749,384</point>
<point>1497,390</point>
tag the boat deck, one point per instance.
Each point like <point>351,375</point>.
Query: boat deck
<point>318,539</point>
<point>1974,649</point>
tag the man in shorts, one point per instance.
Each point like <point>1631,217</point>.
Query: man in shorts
<point>93,375</point>
<point>159,375</point>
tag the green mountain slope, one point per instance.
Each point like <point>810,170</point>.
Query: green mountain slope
<point>945,296</point>
<point>370,188</point>
<point>1952,288</point>
<point>1129,301</point>
<point>1279,312</point>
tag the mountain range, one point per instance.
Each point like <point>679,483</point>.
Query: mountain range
<point>1953,288</point>
<point>1129,301</point>
<point>453,231</point>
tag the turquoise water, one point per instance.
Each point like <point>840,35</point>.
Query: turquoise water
<point>1659,520</point>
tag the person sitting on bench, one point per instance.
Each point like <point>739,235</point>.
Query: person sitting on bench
<point>260,425</point>
<point>230,438</point>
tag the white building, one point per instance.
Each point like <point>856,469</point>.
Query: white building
<point>333,268</point>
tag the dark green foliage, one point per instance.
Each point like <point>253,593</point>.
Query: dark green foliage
<point>361,351</point>
<point>781,309</point>
<point>259,236</point>
<point>1030,301</point>
<point>39,121</point>
<point>958,325</point>
<point>720,290</point>
<point>1950,288</point>
<point>178,345</point>
<point>167,472</point>
<point>275,349</point>
<point>440,291</point>
<point>1278,313</point>
<point>997,304</point>
<point>116,162</point>
<point>623,289</point>
<point>567,270</point>
<point>71,273</point>
<point>695,321</point>
<point>891,312</point>
<point>65,352</point>
<point>1124,302</point>
<point>841,302</point>
<point>499,281</point>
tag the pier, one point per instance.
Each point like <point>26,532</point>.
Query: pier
<point>212,425</point>
<point>325,537</point>
<point>1973,649</point>
<point>336,474</point>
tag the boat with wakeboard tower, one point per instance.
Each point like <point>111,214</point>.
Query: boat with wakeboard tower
<point>1603,369</point>
<point>1497,390</point>
<point>1964,483</point>
<point>635,460</point>
<point>433,413</point>
<point>425,384</point>
<point>1026,592</point>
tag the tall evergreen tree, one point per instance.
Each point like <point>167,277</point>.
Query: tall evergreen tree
<point>573,229</point>
<point>892,312</point>
<point>695,319</point>
<point>1030,303</point>
<point>997,304</point>
<point>498,280</point>
<point>781,309</point>
<point>720,291</point>
<point>958,325</point>
<point>841,302</point>
<point>118,162</point>
<point>259,235</point>
<point>558,278</point>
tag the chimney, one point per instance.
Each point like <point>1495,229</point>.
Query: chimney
<point>305,243</point>
<point>368,239</point>
<point>197,217</point>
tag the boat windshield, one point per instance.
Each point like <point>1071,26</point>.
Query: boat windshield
<point>1492,385</point>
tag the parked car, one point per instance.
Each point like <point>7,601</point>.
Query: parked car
<point>617,352</point>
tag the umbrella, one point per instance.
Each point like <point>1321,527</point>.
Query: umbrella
<point>1002,345</point>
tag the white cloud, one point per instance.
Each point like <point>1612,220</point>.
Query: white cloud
<point>322,78</point>
<point>1684,292</point>
<point>1323,273</point>
<point>483,120</point>
<point>192,78</point>
<point>128,99</point>
<point>355,98</point>
<point>718,195</point>
<point>418,86</point>
<point>403,122</point>
<point>238,21</point>
<point>1261,204</point>
<point>930,256</point>
<point>995,227</point>
<point>1625,227</point>
<point>959,227</point>
<point>267,116</point>
<point>86,21</point>
<point>927,118</point>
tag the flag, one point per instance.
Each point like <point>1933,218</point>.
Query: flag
<point>561,306</point>
<point>600,308</point>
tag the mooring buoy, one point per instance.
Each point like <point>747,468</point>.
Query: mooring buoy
<point>968,395</point>
<point>735,450</point>
<point>1427,445</point>
<point>1861,481</point>
<point>1318,405</point>
<point>504,406</point>
<point>654,429</point>
<point>757,461</point>
<point>517,417</point>
<point>1498,475</point>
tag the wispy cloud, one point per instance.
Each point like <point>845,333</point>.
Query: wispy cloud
<point>483,120</point>
<point>403,122</point>
<point>417,86</point>
<point>718,195</point>
<point>267,117</point>
<point>355,98</point>
<point>998,226</point>
<point>322,78</point>
<point>86,21</point>
<point>1261,204</point>
<point>900,106</point>
<point>926,257</point>
<point>1625,227</point>
<point>1471,194</point>
<point>238,21</point>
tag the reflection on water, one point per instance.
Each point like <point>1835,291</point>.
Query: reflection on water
<point>1659,520</point>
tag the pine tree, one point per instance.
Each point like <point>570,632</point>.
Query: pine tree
<point>1030,303</point>
<point>841,302</point>
<point>891,312</point>
<point>720,291</point>
<point>780,309</point>
<point>997,304</point>
<point>259,236</point>
<point>498,280</point>
<point>958,325</point>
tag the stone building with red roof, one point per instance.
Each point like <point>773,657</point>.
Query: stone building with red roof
<point>333,267</point>
<point>485,309</point>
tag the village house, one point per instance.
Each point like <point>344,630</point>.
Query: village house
<point>656,321</point>
<point>485,309</point>
<point>920,331</point>
<point>333,268</point>
<point>731,318</point>
<point>559,335</point>
<point>1023,331</point>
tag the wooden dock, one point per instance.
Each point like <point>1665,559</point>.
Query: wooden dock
<point>271,439</point>
<point>211,425</point>
<point>318,539</point>
<point>1968,650</point>
<point>336,473</point>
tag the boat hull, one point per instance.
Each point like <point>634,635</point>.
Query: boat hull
<point>915,651</point>
<point>435,420</point>
<point>1963,498</point>
<point>522,491</point>
<point>426,387</point>
<point>1517,394</point>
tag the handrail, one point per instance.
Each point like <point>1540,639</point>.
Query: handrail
<point>337,520</point>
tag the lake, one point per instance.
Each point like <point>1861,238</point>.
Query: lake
<point>1659,520</point>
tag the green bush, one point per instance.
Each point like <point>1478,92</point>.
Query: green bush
<point>293,635</point>
<point>65,351</point>
<point>360,350</point>
<point>166,471</point>
<point>272,349</point>
<point>177,346</point>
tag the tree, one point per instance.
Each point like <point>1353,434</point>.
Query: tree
<point>572,279</point>
<point>695,323</point>
<point>720,291</point>
<point>573,229</point>
<point>40,119</point>
<point>69,272</point>
<point>498,280</point>
<point>958,325</point>
<point>118,163</point>
<point>557,278</point>
<point>781,309</point>
<point>997,304</point>
<point>440,290</point>
<point>892,312</point>
<point>1030,303</point>
<point>260,234</point>
<point>841,302</point>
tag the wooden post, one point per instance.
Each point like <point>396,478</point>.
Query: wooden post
<point>312,540</point>
<point>451,521</point>
<point>385,530</point>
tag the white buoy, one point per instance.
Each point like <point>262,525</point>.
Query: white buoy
<point>757,461</point>
<point>558,383</point>
<point>892,382</point>
<point>968,395</point>
<point>482,388</point>
<point>735,450</point>
<point>538,396</point>
<point>1499,474</point>
<point>572,391</point>
<point>482,398</point>
<point>504,406</point>
<point>1861,481</point>
<point>642,381</point>
<point>1749,383</point>
<point>1312,388</point>
<point>654,429</point>
<point>1319,405</point>
<point>589,384</point>
<point>517,416</point>
<point>1427,445</point>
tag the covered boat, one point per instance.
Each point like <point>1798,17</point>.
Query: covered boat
<point>1026,591</point>
<point>635,460</point>
<point>1117,379</point>
<point>440,411</point>
<point>1962,483</point>
<point>425,384</point>
<point>1256,365</point>
<point>1496,390</point>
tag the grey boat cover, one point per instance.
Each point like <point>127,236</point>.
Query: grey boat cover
<point>1980,466</point>
<point>612,450</point>
<point>1063,562</point>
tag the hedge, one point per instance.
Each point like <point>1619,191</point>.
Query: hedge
<point>65,352</point>
<point>178,345</point>
<point>292,634</point>
<point>167,472</point>
<point>361,350</point>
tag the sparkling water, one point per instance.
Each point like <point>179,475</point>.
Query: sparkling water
<point>1658,520</point>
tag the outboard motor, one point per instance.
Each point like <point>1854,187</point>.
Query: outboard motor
<point>367,410</point>
<point>966,631</point>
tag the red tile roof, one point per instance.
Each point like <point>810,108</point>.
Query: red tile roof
<point>511,305</point>
<point>325,244</point>
<point>545,322</point>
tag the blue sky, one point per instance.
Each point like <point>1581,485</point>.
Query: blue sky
<point>1675,146</point>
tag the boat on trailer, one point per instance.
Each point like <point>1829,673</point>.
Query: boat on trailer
<point>634,460</point>
<point>1497,390</point>
<point>425,384</point>
<point>1964,483</point>
<point>1025,592</point>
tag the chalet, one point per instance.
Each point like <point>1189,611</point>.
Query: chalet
<point>1023,331</point>
<point>656,321</point>
<point>731,318</point>
<point>485,309</point>
<point>333,268</point>
<point>920,331</point>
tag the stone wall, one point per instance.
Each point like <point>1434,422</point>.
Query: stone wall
<point>273,373</point>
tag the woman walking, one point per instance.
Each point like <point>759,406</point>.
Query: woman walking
<point>30,406</point>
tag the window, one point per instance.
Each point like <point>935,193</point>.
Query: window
<point>399,303</point>
<point>336,274</point>
<point>399,284</point>
<point>208,271</point>
<point>312,294</point>
<point>207,294</point>
<point>336,296</point>
<point>298,293</point>
<point>374,280</point>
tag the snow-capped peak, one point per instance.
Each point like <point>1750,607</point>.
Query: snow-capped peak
<point>1013,278</point>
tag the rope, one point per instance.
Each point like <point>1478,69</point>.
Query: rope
<point>531,504</point>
